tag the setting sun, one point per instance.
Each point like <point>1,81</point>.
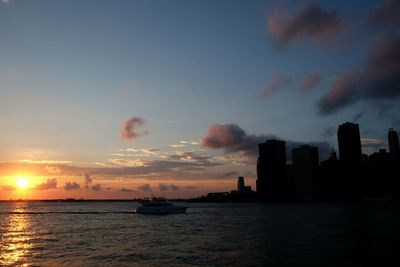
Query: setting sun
<point>22,183</point>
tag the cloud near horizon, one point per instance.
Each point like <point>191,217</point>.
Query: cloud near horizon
<point>50,183</point>
<point>89,183</point>
<point>308,22</point>
<point>231,138</point>
<point>144,188</point>
<point>71,186</point>
<point>129,128</point>
<point>166,187</point>
<point>378,79</point>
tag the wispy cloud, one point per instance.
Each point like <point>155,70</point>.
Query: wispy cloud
<point>177,145</point>
<point>313,79</point>
<point>277,82</point>
<point>189,142</point>
<point>46,161</point>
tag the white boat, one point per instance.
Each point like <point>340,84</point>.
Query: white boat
<point>157,205</point>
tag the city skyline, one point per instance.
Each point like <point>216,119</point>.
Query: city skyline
<point>124,100</point>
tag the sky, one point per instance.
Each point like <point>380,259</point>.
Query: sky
<point>124,99</point>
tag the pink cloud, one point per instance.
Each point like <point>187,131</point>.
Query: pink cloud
<point>277,82</point>
<point>129,129</point>
<point>378,78</point>
<point>312,80</point>
<point>308,22</point>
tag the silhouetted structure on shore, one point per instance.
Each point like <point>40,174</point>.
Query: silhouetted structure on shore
<point>305,170</point>
<point>349,143</point>
<point>242,194</point>
<point>393,140</point>
<point>271,170</point>
<point>352,176</point>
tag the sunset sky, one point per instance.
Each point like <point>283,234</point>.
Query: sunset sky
<point>122,99</point>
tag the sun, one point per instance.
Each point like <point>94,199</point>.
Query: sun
<point>22,183</point>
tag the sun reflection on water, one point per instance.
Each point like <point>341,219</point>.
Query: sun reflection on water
<point>15,239</point>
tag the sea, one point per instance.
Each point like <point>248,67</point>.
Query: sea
<point>363,233</point>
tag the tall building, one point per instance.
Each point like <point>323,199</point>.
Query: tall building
<point>271,170</point>
<point>393,140</point>
<point>240,185</point>
<point>305,171</point>
<point>349,143</point>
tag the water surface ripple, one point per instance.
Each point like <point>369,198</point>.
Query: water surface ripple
<point>242,234</point>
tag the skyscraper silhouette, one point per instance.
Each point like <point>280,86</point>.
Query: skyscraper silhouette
<point>271,170</point>
<point>349,143</point>
<point>393,140</point>
<point>305,167</point>
<point>240,185</point>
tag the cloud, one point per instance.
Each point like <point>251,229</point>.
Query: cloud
<point>163,187</point>
<point>5,1</point>
<point>96,187</point>
<point>88,180</point>
<point>231,138</point>
<point>71,186</point>
<point>178,164</point>
<point>329,132</point>
<point>190,142</point>
<point>166,187</point>
<point>129,130</point>
<point>174,187</point>
<point>177,145</point>
<point>8,187</point>
<point>358,116</point>
<point>378,79</point>
<point>277,82</point>
<point>49,184</point>
<point>228,175</point>
<point>125,190</point>
<point>190,187</point>
<point>312,80</point>
<point>308,22</point>
<point>385,16</point>
<point>144,188</point>
<point>374,143</point>
<point>89,183</point>
<point>52,169</point>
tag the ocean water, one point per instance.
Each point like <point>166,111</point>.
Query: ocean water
<point>230,234</point>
